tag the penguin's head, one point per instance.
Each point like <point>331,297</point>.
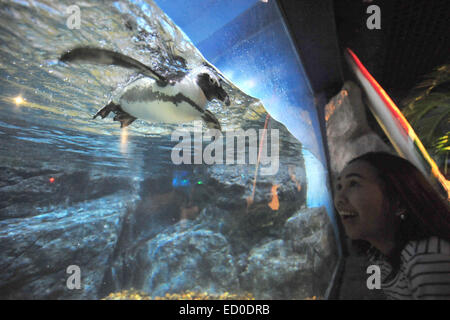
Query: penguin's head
<point>212,87</point>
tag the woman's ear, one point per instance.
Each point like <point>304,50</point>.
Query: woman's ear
<point>397,208</point>
<point>400,211</point>
<point>402,215</point>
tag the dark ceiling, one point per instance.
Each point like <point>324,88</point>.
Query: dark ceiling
<point>414,38</point>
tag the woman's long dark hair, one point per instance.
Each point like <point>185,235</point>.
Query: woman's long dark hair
<point>427,212</point>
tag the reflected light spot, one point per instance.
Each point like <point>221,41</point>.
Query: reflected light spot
<point>274,204</point>
<point>249,201</point>
<point>18,100</point>
<point>335,103</point>
<point>51,180</point>
<point>124,140</point>
<point>293,178</point>
<point>251,83</point>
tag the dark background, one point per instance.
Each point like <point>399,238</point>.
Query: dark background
<point>414,38</point>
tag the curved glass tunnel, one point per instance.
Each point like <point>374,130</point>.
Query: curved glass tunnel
<point>160,207</point>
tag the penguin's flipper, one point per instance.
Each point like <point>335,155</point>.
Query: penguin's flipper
<point>211,120</point>
<point>108,57</point>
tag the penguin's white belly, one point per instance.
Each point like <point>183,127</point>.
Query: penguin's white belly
<point>145,100</point>
<point>161,112</point>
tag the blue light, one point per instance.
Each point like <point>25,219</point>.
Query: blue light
<point>180,179</point>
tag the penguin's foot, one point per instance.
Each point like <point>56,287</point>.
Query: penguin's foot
<point>120,115</point>
<point>124,118</point>
<point>106,110</point>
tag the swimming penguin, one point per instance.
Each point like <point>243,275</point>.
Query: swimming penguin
<point>155,98</point>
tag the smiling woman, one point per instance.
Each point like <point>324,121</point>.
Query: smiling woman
<point>385,200</point>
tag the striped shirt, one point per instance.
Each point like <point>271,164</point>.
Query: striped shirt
<point>424,271</point>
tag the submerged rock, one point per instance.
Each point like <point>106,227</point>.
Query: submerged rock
<point>298,265</point>
<point>36,251</point>
<point>208,255</point>
<point>275,271</point>
<point>216,250</point>
<point>198,260</point>
<point>26,192</point>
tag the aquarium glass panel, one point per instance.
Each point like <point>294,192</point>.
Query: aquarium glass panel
<point>159,149</point>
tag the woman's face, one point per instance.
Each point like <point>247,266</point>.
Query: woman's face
<point>361,204</point>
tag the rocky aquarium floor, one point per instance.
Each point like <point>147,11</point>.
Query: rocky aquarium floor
<point>159,239</point>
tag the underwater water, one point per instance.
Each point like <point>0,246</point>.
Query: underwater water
<point>80,192</point>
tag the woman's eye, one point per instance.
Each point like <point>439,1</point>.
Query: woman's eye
<point>338,187</point>
<point>353,183</point>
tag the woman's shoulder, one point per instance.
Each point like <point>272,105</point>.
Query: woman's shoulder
<point>426,265</point>
<point>425,247</point>
<point>426,256</point>
<point>415,250</point>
